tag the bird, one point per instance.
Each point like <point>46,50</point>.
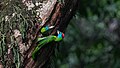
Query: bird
<point>46,28</point>
<point>45,40</point>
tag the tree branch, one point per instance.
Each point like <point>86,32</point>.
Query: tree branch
<point>60,17</point>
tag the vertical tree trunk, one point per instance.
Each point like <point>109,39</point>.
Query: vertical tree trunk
<point>52,13</point>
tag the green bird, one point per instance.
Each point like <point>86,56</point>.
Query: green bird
<point>45,40</point>
<point>46,28</point>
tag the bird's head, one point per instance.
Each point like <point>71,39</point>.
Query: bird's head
<point>46,28</point>
<point>60,34</point>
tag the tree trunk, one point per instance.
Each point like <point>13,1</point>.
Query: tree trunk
<point>17,43</point>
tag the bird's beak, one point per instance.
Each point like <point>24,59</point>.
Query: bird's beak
<point>58,32</point>
<point>51,27</point>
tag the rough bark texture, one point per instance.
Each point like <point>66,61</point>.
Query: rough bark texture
<point>60,17</point>
<point>53,13</point>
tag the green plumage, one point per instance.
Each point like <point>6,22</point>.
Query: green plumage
<point>45,40</point>
<point>58,39</point>
<point>43,30</point>
<point>41,42</point>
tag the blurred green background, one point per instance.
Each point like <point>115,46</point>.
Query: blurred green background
<point>92,37</point>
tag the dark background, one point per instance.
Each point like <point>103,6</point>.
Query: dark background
<point>92,37</point>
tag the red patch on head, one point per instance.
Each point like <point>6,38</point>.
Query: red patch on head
<point>63,35</point>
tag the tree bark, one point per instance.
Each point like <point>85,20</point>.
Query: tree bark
<point>53,13</point>
<point>60,17</point>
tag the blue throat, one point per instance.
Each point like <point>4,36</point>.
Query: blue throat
<point>46,28</point>
<point>59,35</point>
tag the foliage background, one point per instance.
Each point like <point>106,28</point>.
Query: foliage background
<point>93,36</point>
